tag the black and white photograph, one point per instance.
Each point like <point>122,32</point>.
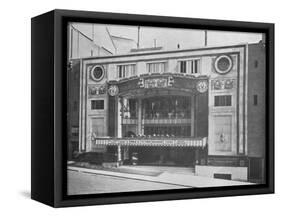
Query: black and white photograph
<point>154,108</point>
<point>140,108</point>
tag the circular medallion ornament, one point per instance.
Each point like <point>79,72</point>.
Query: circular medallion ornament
<point>97,73</point>
<point>223,64</point>
<point>113,90</point>
<point>202,86</point>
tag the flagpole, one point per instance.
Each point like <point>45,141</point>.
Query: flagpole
<point>206,38</point>
<point>138,43</point>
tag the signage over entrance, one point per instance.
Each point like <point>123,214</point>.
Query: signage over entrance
<point>186,142</point>
<point>156,82</point>
<point>136,85</point>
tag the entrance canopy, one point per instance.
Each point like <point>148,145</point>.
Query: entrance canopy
<point>155,84</point>
<point>156,142</point>
<point>157,110</point>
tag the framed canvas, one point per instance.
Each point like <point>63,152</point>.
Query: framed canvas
<point>134,108</point>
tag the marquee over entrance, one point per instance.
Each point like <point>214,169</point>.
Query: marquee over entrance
<point>155,142</point>
<point>147,83</point>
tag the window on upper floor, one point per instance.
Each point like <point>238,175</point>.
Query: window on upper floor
<point>256,63</point>
<point>223,100</point>
<point>97,104</point>
<point>159,67</point>
<point>189,66</point>
<point>125,71</point>
<point>255,99</point>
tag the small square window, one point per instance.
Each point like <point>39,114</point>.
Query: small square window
<point>97,104</point>
<point>255,99</point>
<point>256,63</point>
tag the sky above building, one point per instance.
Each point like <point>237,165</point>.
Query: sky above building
<point>170,38</point>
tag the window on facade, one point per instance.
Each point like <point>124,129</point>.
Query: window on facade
<point>256,64</point>
<point>167,107</point>
<point>255,99</point>
<point>156,67</point>
<point>133,108</point>
<point>224,100</point>
<point>97,104</point>
<point>190,66</point>
<point>130,108</point>
<point>125,71</point>
<point>182,66</point>
<point>172,130</point>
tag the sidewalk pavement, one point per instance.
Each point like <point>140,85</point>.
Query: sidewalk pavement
<point>180,179</point>
<point>161,169</point>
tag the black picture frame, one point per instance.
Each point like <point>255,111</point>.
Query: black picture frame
<point>48,108</point>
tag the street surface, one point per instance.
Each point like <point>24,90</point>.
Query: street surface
<point>86,183</point>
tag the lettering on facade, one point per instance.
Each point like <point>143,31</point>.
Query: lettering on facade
<point>156,82</point>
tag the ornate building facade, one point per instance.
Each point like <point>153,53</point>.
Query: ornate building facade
<point>201,108</point>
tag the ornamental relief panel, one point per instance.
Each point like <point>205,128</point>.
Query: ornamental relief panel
<point>97,90</point>
<point>223,84</point>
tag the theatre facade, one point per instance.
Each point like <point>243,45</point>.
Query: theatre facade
<point>200,108</point>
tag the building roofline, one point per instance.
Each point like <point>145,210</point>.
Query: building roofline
<point>146,49</point>
<point>164,52</point>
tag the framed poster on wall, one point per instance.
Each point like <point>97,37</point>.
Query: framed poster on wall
<point>134,108</point>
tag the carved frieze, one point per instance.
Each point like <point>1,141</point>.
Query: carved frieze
<point>97,90</point>
<point>223,84</point>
